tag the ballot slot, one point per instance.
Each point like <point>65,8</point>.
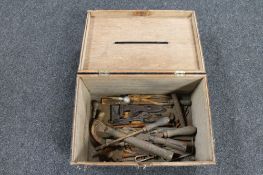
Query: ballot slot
<point>141,42</point>
<point>92,87</point>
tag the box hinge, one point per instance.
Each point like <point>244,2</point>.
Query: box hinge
<point>103,73</point>
<point>179,73</point>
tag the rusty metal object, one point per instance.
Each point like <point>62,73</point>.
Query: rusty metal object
<point>125,114</point>
<point>150,99</point>
<point>143,99</point>
<point>119,155</point>
<point>132,124</point>
<point>160,122</point>
<point>115,100</point>
<point>178,111</point>
<point>143,117</point>
<point>188,115</point>
<point>128,154</point>
<point>136,109</point>
<point>138,99</point>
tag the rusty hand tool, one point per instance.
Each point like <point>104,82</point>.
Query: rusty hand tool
<point>123,114</point>
<point>116,144</point>
<point>119,155</point>
<point>132,124</point>
<point>150,99</point>
<point>177,110</point>
<point>136,109</point>
<point>148,127</point>
<point>143,99</point>
<point>188,115</point>
<point>185,131</point>
<point>175,144</point>
<point>180,146</point>
<point>115,100</point>
<point>125,121</point>
<point>144,145</point>
<point>137,99</point>
<point>156,100</point>
<point>142,117</point>
<point>126,154</point>
<point>116,155</point>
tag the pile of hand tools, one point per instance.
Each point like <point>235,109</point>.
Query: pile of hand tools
<point>143,128</point>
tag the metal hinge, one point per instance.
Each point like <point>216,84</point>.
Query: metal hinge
<point>179,73</point>
<point>103,73</point>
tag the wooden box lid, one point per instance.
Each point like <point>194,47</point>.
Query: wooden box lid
<point>127,41</point>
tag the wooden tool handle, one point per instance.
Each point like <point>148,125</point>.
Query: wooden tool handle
<point>161,122</point>
<point>179,145</point>
<point>188,130</point>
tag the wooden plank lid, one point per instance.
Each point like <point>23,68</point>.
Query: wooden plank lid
<point>141,41</point>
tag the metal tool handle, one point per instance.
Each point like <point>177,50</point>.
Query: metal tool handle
<point>188,130</point>
<point>161,122</point>
<point>144,145</point>
<point>181,146</point>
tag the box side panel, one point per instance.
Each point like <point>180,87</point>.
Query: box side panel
<point>202,120</point>
<point>129,13</point>
<point>84,43</point>
<point>114,85</point>
<point>80,128</point>
<point>198,45</point>
<point>146,164</point>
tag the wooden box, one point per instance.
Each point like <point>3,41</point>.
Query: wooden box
<point>141,52</point>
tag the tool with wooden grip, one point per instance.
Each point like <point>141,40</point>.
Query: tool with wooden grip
<point>185,131</point>
<point>143,99</point>
<point>137,99</point>
<point>161,122</point>
<point>144,145</point>
<point>178,145</point>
